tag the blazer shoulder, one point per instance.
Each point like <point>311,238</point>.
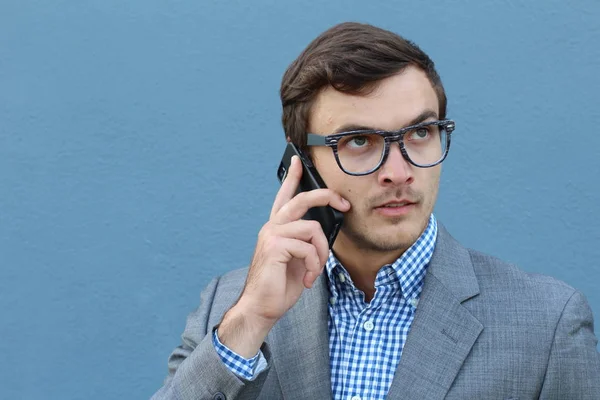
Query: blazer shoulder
<point>222,293</point>
<point>233,279</point>
<point>492,271</point>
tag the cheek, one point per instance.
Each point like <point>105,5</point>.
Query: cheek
<point>356,190</point>
<point>335,179</point>
<point>326,166</point>
<point>343,186</point>
<point>431,181</point>
<point>352,188</point>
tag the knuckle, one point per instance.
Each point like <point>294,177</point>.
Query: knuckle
<point>324,193</point>
<point>314,252</point>
<point>284,208</point>
<point>265,231</point>
<point>301,197</point>
<point>315,258</point>
<point>268,239</point>
<point>315,226</point>
<point>271,244</point>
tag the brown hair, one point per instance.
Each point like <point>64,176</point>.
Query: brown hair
<point>351,57</point>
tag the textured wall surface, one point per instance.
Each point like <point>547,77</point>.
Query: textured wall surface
<point>139,141</point>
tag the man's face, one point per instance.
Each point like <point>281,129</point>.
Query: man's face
<point>395,103</point>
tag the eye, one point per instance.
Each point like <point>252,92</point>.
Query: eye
<point>358,141</point>
<point>419,134</point>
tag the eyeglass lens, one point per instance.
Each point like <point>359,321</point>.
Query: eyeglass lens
<point>363,152</point>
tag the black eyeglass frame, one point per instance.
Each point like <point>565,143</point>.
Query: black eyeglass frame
<point>312,139</point>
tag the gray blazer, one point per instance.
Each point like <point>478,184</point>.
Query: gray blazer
<point>483,329</point>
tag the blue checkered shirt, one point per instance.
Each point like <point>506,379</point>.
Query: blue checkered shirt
<point>365,339</point>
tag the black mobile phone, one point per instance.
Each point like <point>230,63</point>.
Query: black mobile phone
<point>329,218</point>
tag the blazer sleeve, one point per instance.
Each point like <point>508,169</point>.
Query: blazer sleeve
<point>574,364</point>
<point>196,370</point>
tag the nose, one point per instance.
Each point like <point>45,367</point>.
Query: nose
<point>396,170</point>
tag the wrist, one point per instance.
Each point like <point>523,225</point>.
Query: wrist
<point>242,331</point>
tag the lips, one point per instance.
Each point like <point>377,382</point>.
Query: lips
<point>395,203</point>
<point>395,208</point>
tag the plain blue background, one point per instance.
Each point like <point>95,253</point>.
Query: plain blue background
<point>139,142</point>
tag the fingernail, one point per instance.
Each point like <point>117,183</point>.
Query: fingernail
<point>346,202</point>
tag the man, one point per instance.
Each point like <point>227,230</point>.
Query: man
<point>398,309</point>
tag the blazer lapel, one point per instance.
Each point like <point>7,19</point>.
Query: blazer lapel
<point>301,346</point>
<point>443,330</point>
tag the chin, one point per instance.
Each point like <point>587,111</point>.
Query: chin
<point>381,240</point>
<point>400,241</point>
<point>392,235</point>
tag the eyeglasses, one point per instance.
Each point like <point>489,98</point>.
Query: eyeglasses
<point>363,152</point>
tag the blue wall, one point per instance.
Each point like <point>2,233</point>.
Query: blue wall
<point>122,192</point>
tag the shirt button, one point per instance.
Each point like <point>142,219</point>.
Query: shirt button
<point>355,398</point>
<point>368,326</point>
<point>342,277</point>
<point>332,301</point>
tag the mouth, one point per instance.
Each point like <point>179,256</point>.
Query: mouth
<point>397,204</point>
<point>395,208</point>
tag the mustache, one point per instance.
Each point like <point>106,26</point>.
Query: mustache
<point>402,193</point>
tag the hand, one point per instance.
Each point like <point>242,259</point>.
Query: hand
<point>290,254</point>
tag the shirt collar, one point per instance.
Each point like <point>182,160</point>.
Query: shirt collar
<point>408,271</point>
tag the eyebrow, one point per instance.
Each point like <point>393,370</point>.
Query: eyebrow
<point>426,114</point>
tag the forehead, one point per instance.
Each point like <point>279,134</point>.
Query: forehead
<point>393,104</point>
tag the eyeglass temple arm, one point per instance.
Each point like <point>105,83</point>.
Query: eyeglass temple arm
<point>315,140</point>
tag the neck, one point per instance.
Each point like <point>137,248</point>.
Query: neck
<point>363,264</point>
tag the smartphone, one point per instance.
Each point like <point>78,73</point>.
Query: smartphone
<point>329,218</point>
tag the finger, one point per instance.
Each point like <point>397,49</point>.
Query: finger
<point>310,278</point>
<point>289,186</point>
<point>297,207</point>
<point>308,253</point>
<point>307,231</point>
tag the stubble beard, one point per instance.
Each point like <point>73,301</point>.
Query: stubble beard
<point>365,238</point>
<point>359,228</point>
